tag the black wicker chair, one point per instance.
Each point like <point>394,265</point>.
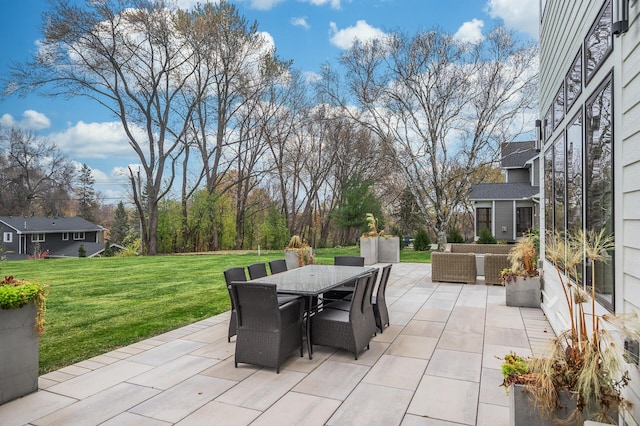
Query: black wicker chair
<point>348,260</point>
<point>347,330</point>
<point>231,275</point>
<point>267,332</point>
<point>346,289</point>
<point>367,304</point>
<point>257,270</point>
<point>379,302</point>
<point>277,266</point>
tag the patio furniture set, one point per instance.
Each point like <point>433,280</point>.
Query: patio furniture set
<point>335,305</point>
<point>465,262</point>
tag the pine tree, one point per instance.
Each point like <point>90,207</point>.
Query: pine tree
<point>86,195</point>
<point>120,227</point>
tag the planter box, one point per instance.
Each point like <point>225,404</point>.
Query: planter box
<point>522,411</point>
<point>291,258</point>
<point>18,353</point>
<point>369,250</point>
<point>388,250</point>
<point>524,292</point>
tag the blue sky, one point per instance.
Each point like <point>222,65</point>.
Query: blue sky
<point>309,32</point>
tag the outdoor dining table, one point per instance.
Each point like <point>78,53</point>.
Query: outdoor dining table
<point>311,281</point>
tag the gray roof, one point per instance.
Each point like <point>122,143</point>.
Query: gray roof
<point>503,191</point>
<point>31,224</point>
<point>516,154</point>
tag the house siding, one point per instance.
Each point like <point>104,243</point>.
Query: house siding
<point>14,245</point>
<point>518,175</point>
<point>504,214</point>
<point>564,27</point>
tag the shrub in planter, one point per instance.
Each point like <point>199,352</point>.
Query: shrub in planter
<point>22,309</point>
<point>522,278</point>
<point>298,253</point>
<point>585,361</point>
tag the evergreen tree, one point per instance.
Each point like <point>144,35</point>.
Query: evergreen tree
<point>120,227</point>
<point>88,204</point>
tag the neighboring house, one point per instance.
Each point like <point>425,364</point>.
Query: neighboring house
<point>511,208</point>
<point>59,236</point>
<point>590,136</point>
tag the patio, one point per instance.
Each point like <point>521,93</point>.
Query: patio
<point>435,365</point>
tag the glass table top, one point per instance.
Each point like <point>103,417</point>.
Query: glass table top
<point>313,279</point>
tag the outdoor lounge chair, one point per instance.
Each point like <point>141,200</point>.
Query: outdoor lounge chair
<point>267,332</point>
<point>347,330</point>
<point>277,266</point>
<point>493,266</point>
<point>453,267</point>
<point>379,302</point>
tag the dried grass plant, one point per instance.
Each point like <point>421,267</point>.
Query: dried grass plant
<point>585,360</point>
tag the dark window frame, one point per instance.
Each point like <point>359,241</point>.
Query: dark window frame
<point>577,62</point>
<point>558,106</point>
<point>484,221</point>
<point>588,76</point>
<point>607,302</point>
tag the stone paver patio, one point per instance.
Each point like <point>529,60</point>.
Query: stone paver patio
<point>435,365</point>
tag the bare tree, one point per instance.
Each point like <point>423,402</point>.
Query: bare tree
<point>441,107</point>
<point>35,176</point>
<point>125,56</point>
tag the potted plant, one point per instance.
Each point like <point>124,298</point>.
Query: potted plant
<point>522,279</point>
<point>369,241</point>
<point>22,309</point>
<point>582,375</point>
<point>298,253</point>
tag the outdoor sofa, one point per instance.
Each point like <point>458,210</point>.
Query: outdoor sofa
<point>453,267</point>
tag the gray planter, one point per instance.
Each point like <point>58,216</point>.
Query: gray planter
<point>524,292</point>
<point>18,353</point>
<point>291,258</point>
<point>369,250</point>
<point>389,250</point>
<point>522,411</point>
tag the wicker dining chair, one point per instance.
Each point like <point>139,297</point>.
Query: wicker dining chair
<point>367,303</point>
<point>231,275</point>
<point>379,302</point>
<point>257,270</point>
<point>347,330</point>
<point>345,290</point>
<point>277,266</point>
<point>267,332</point>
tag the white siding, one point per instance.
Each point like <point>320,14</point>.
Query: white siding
<point>564,27</point>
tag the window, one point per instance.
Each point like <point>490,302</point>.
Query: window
<point>574,174</point>
<point>573,81</point>
<point>483,219</point>
<point>37,238</point>
<point>65,236</point>
<point>559,184</point>
<point>548,189</point>
<point>524,220</point>
<point>78,235</point>
<point>599,177</point>
<point>7,237</point>
<point>548,123</point>
<point>598,44</point>
<point>558,106</point>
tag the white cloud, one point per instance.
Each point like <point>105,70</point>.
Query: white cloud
<point>311,77</point>
<point>31,120</point>
<point>519,15</point>
<point>96,140</point>
<point>190,4</point>
<point>264,4</point>
<point>335,4</point>
<point>300,22</point>
<point>346,37</point>
<point>470,32</point>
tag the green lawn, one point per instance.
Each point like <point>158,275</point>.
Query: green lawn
<point>97,305</point>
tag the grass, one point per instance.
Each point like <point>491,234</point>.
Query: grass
<point>100,304</point>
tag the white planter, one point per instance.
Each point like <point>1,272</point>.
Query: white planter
<point>291,258</point>
<point>369,250</point>
<point>523,292</point>
<point>18,352</point>
<point>388,250</point>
